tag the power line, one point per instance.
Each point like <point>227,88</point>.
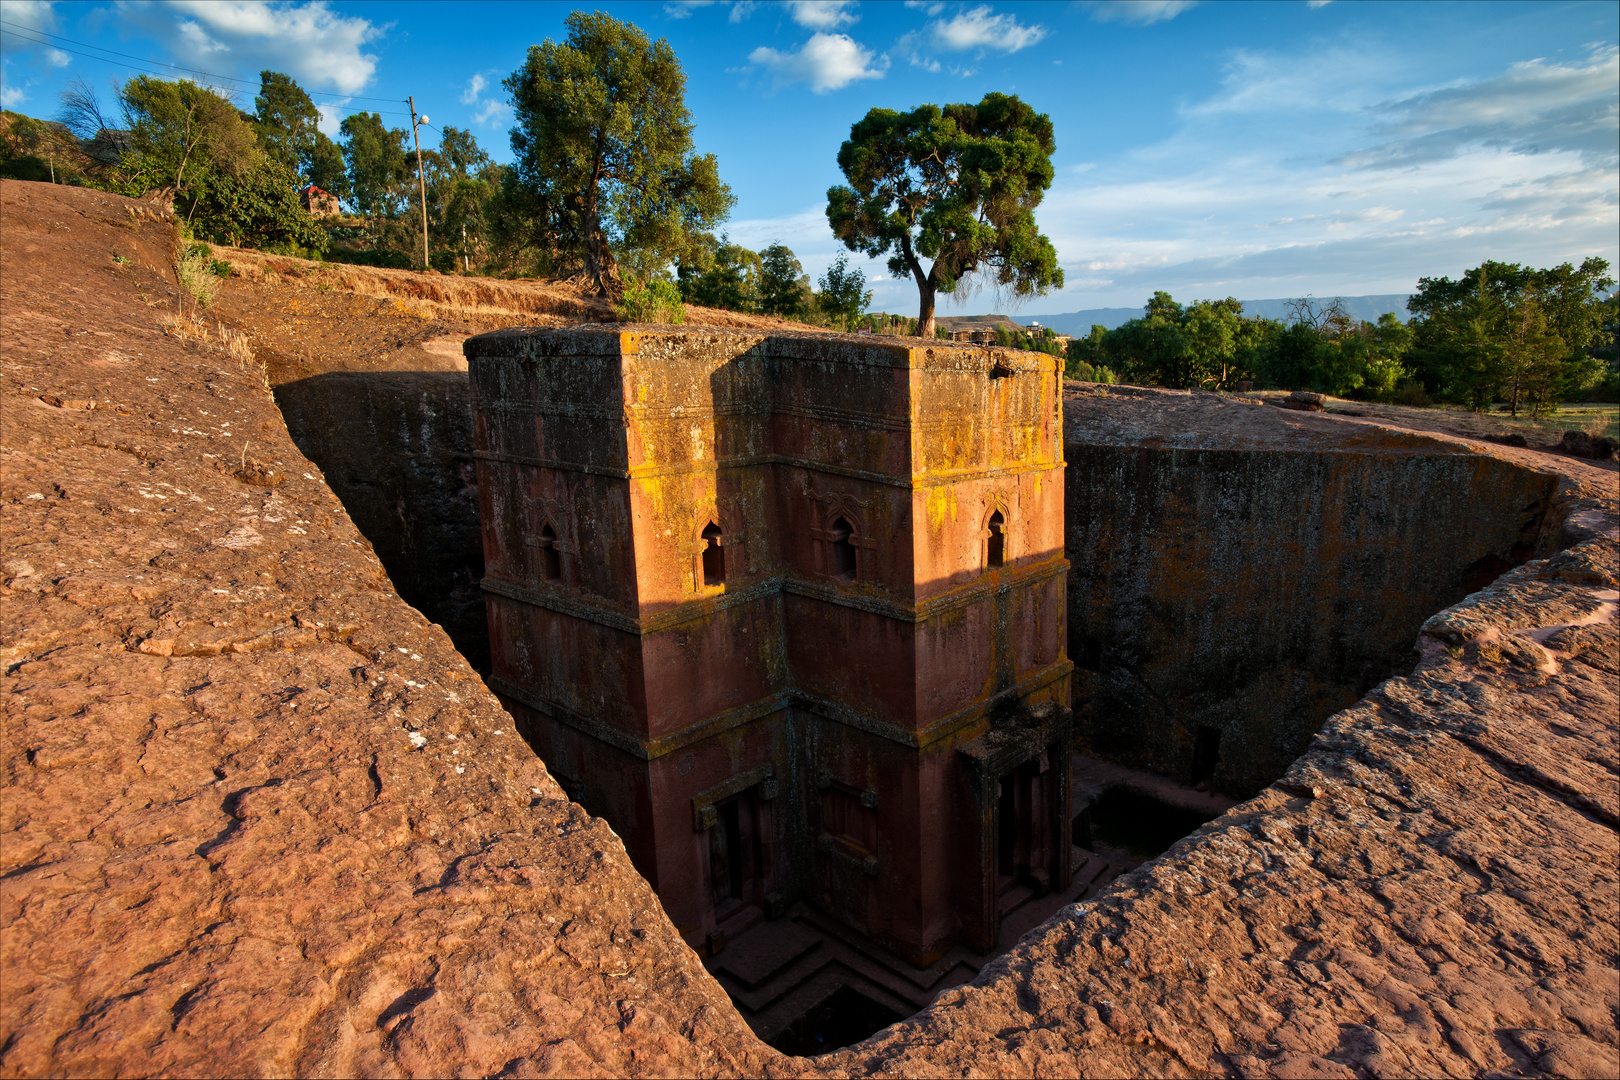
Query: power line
<point>159,63</point>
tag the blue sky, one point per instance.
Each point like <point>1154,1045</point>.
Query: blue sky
<point>1248,149</point>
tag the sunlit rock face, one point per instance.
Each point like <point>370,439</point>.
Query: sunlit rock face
<point>788,611</point>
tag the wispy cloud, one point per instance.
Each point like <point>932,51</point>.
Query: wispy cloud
<point>683,9</point>
<point>486,112</point>
<point>981,28</point>
<point>977,29</point>
<point>826,62</point>
<point>823,14</point>
<point>1140,12</point>
<point>316,45</point>
<point>1534,107</point>
<point>36,15</point>
<point>1337,76</point>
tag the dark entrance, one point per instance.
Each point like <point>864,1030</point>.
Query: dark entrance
<point>734,855</point>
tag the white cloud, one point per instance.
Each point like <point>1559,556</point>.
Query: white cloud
<point>34,15</point>
<point>1534,107</point>
<point>927,7</point>
<point>492,114</point>
<point>331,117</point>
<point>1338,77</point>
<point>475,86</point>
<point>58,58</point>
<point>822,14</point>
<point>826,62</point>
<point>317,46</point>
<point>682,9</point>
<point>741,10</point>
<point>980,28</point>
<point>11,96</point>
<point>1139,12</point>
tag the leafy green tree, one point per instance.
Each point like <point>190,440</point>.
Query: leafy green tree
<point>843,293</point>
<point>603,143</point>
<point>956,185</point>
<point>178,129</point>
<point>375,159</point>
<point>784,287</point>
<point>287,121</point>
<point>1494,304</point>
<point>257,208</point>
<point>726,278</point>
<point>325,168</point>
<point>1086,352</point>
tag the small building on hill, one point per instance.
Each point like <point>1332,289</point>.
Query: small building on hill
<point>320,203</point>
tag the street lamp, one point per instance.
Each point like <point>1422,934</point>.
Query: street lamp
<point>421,184</point>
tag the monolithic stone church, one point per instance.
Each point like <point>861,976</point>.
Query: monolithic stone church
<point>788,611</point>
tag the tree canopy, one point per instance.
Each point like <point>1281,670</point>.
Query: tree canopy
<point>956,185</point>
<point>603,147</point>
<point>1511,332</point>
<point>375,156</point>
<point>287,124</point>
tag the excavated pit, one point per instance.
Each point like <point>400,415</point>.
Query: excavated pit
<point>261,818</point>
<point>1239,574</point>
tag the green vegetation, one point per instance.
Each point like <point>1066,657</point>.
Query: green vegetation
<point>604,153</point>
<point>1502,333</point>
<point>286,121</point>
<point>1515,334</point>
<point>957,185</point>
<point>655,301</point>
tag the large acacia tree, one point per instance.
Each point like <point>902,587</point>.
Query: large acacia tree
<point>957,186</point>
<point>603,146</point>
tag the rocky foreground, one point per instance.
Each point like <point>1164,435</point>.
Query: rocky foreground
<point>260,818</point>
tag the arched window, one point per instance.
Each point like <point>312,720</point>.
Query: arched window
<point>843,550</point>
<point>996,550</point>
<point>550,556</point>
<point>714,558</point>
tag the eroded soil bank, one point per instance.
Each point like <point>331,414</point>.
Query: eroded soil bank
<point>259,816</point>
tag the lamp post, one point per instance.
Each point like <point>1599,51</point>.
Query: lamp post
<point>421,184</point>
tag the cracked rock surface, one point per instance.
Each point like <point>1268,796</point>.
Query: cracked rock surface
<point>260,818</point>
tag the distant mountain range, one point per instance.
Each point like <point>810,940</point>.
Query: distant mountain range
<point>1079,323</point>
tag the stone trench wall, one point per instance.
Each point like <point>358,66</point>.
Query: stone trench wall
<point>1257,571</point>
<point>396,448</point>
<point>259,817</point>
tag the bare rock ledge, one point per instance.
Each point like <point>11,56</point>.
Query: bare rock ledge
<point>260,818</point>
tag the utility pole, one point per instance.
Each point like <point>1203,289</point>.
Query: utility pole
<point>421,184</point>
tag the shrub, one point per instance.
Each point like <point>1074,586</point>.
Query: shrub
<point>1411,392</point>
<point>1099,373</point>
<point>194,272</point>
<point>655,301</point>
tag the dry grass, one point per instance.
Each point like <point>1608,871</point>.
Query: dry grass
<point>233,343</point>
<point>195,273</point>
<point>483,301</point>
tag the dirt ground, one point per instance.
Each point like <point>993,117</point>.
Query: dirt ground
<point>307,318</point>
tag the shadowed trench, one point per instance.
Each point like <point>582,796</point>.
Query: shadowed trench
<point>1232,585</point>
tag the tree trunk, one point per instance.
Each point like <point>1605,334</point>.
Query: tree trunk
<point>600,266</point>
<point>925,312</point>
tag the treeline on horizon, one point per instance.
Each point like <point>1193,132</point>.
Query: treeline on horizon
<point>1503,333</point>
<point>639,224</point>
